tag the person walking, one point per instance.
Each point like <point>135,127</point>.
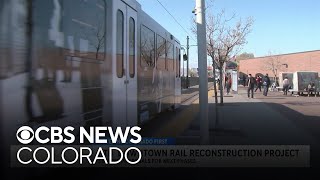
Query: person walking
<point>251,82</point>
<point>225,81</point>
<point>266,84</point>
<point>286,84</point>
<point>218,84</point>
<point>228,84</point>
<point>259,83</point>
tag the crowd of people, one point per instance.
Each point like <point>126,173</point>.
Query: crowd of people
<point>263,84</point>
<point>256,83</point>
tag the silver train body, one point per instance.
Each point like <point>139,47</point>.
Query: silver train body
<point>84,63</point>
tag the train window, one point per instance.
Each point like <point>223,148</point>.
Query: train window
<point>147,47</point>
<point>119,42</point>
<point>132,45</point>
<point>161,53</point>
<point>84,27</point>
<point>69,39</point>
<point>170,56</point>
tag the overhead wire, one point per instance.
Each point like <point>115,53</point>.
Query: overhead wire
<point>176,20</point>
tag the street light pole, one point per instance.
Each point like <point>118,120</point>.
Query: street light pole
<point>203,75</point>
<point>187,62</point>
<point>182,68</point>
<point>182,48</point>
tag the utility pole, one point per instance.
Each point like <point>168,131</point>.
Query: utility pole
<point>188,61</point>
<point>183,67</point>
<point>202,65</point>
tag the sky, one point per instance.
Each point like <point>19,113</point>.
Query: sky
<point>280,26</point>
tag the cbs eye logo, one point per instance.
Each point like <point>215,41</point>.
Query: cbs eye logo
<point>25,135</point>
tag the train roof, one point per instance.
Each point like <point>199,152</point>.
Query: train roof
<point>133,4</point>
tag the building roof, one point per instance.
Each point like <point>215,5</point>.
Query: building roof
<point>295,53</point>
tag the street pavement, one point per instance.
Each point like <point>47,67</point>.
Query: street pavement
<point>241,120</point>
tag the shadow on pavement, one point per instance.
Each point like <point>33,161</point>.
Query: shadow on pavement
<point>244,123</point>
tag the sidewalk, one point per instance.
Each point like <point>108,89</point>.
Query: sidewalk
<point>241,121</point>
<point>246,121</point>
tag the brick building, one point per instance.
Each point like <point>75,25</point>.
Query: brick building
<point>301,61</point>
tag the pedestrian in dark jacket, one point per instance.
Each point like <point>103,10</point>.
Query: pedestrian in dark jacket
<point>259,83</point>
<point>251,82</point>
<point>266,84</point>
<point>228,84</point>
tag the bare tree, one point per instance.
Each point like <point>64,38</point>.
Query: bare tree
<point>225,40</point>
<point>95,33</point>
<point>147,52</point>
<point>100,35</point>
<point>162,48</point>
<point>273,64</point>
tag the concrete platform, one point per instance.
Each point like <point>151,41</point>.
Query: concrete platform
<point>241,121</point>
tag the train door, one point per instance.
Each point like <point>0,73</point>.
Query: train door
<point>124,63</point>
<point>177,93</point>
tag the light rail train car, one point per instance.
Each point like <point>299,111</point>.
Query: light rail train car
<point>84,63</point>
